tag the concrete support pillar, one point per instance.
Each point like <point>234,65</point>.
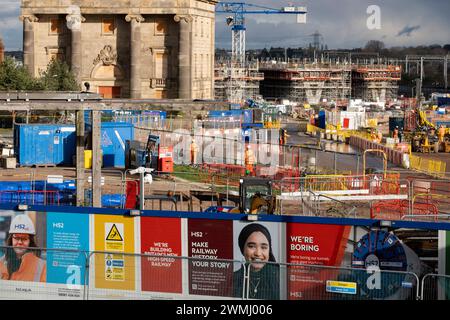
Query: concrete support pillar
<point>80,157</point>
<point>74,24</point>
<point>96,160</point>
<point>28,42</point>
<point>135,54</point>
<point>184,57</point>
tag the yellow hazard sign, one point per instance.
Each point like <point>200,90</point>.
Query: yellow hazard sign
<point>114,234</point>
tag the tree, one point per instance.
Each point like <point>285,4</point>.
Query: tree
<point>58,77</point>
<point>374,46</point>
<point>14,77</point>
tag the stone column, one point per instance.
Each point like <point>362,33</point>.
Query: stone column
<point>184,57</point>
<point>74,24</point>
<point>135,54</point>
<point>28,41</point>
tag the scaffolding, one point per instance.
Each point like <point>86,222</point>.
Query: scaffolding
<point>376,83</point>
<point>311,83</point>
<point>236,83</point>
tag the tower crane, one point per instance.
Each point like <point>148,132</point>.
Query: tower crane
<point>237,21</point>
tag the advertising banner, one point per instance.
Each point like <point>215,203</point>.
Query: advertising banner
<point>161,237</point>
<point>69,232</point>
<point>313,244</point>
<point>258,246</point>
<point>210,239</point>
<point>114,270</point>
<point>22,271</point>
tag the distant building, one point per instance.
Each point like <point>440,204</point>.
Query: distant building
<point>123,48</point>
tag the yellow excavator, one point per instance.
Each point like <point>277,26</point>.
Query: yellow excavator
<point>255,196</point>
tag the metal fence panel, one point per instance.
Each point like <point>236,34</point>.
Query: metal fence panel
<point>435,287</point>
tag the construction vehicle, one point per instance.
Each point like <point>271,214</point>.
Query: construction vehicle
<point>424,138</point>
<point>153,155</point>
<point>255,197</point>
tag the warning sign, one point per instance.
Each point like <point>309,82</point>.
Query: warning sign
<point>106,141</point>
<point>115,268</point>
<point>114,234</point>
<point>114,237</point>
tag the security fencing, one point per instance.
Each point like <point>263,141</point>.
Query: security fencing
<point>196,188</point>
<point>435,287</point>
<point>72,274</point>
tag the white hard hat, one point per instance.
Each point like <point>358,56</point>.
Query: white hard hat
<point>22,224</point>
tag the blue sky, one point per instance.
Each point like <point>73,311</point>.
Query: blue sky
<point>341,22</point>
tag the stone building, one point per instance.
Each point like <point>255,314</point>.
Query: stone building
<point>153,49</point>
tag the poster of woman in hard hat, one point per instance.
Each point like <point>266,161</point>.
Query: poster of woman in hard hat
<point>20,261</point>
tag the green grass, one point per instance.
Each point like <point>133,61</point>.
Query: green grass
<point>187,173</point>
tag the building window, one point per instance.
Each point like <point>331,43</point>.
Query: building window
<point>161,28</point>
<point>56,26</point>
<point>108,26</point>
<point>161,65</point>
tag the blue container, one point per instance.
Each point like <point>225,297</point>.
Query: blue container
<point>44,144</point>
<point>322,121</point>
<point>113,138</point>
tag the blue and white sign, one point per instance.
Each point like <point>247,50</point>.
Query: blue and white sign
<point>67,232</point>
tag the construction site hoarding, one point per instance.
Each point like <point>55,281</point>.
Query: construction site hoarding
<point>120,256</point>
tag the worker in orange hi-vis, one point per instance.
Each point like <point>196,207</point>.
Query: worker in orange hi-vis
<point>249,159</point>
<point>21,261</point>
<point>194,152</point>
<point>441,133</point>
<point>395,134</point>
<point>380,137</point>
<point>373,136</point>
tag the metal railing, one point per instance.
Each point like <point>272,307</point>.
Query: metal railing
<point>435,287</point>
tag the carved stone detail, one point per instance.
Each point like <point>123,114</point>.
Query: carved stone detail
<point>185,18</point>
<point>29,17</point>
<point>108,56</point>
<point>136,17</point>
<point>74,21</point>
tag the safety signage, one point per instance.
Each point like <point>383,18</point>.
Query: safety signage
<point>113,269</point>
<point>114,239</point>
<point>341,287</point>
<point>106,140</point>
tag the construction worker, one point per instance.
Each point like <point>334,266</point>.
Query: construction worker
<point>395,134</point>
<point>373,136</point>
<point>283,137</point>
<point>441,133</point>
<point>249,159</point>
<point>380,137</point>
<point>20,263</point>
<point>194,152</point>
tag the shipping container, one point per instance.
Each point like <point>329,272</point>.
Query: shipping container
<point>44,144</point>
<point>396,122</point>
<point>113,137</point>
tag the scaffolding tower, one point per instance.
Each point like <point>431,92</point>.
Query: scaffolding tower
<point>236,83</point>
<point>312,83</point>
<point>376,83</point>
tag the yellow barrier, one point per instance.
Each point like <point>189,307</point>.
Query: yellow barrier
<point>434,168</point>
<point>325,182</point>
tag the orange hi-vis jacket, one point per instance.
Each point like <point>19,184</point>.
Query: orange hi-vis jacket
<point>31,268</point>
